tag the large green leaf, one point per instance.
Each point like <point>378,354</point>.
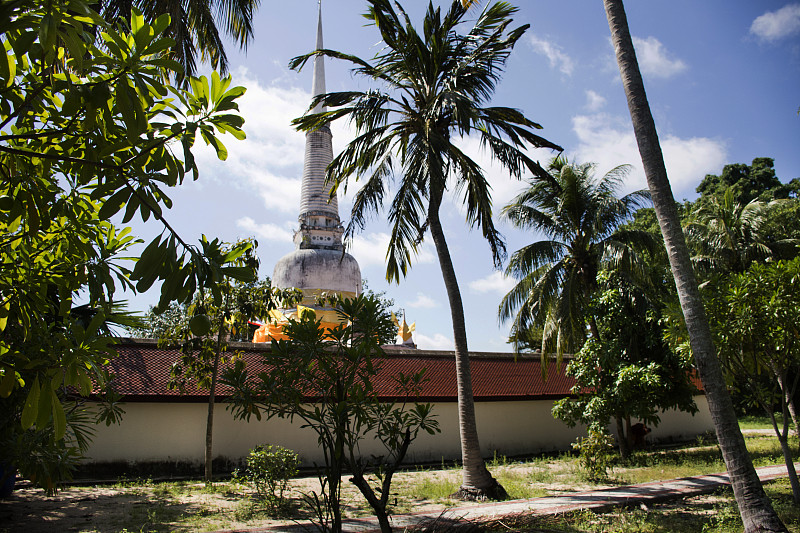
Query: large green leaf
<point>30,410</point>
<point>8,382</point>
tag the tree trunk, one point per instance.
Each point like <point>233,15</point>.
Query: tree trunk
<point>378,505</point>
<point>783,438</point>
<point>628,434</point>
<point>477,482</point>
<point>387,470</point>
<point>788,396</point>
<point>754,506</point>
<point>790,470</point>
<point>209,456</point>
<point>793,414</point>
<point>622,440</point>
<point>783,434</point>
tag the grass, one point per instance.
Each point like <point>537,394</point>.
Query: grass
<point>553,475</point>
<point>760,422</point>
<point>141,505</point>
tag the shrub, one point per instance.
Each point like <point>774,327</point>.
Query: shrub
<point>596,455</point>
<point>269,469</point>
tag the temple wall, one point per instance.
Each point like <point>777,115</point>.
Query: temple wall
<point>152,432</point>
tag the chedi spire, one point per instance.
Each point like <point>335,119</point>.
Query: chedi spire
<point>318,264</point>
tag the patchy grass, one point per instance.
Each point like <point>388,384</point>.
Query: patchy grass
<point>142,505</point>
<point>549,476</point>
<point>761,422</point>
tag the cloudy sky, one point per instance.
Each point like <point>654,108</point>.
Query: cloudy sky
<point>723,80</point>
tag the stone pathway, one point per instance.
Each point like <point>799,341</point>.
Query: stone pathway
<point>550,505</point>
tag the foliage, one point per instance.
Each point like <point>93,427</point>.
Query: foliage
<point>727,236</point>
<point>199,349</point>
<point>556,278</point>
<point>327,379</point>
<point>269,469</point>
<point>596,455</point>
<point>88,129</point>
<point>193,27</point>
<point>754,182</point>
<point>159,324</point>
<point>202,334</point>
<point>628,371</point>
<point>755,324</point>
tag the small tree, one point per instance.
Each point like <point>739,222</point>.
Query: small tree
<point>631,372</point>
<point>755,323</point>
<point>206,325</point>
<point>327,380</point>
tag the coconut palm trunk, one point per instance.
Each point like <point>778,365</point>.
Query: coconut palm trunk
<point>755,508</point>
<point>477,482</point>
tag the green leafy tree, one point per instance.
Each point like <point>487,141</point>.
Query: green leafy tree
<point>557,277</point>
<point>207,324</point>
<point>337,367</point>
<point>203,336</point>
<point>754,182</point>
<point>629,371</point>
<point>160,324</point>
<point>88,130</point>
<point>756,511</point>
<point>755,319</point>
<point>433,88</point>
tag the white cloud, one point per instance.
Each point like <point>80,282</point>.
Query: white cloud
<point>609,142</point>
<point>370,249</point>
<point>437,342</point>
<point>594,101</point>
<point>654,60</point>
<point>774,25</point>
<point>269,161</point>
<point>268,232</point>
<point>554,54</point>
<point>494,282</point>
<point>423,301</point>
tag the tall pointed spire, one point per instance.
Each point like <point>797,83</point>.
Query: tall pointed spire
<point>318,263</point>
<point>320,225</point>
<point>319,65</point>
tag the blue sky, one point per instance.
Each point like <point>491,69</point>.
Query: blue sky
<point>723,80</point>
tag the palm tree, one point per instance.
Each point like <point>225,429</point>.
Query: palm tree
<point>580,216</point>
<point>193,26</point>
<point>729,236</point>
<point>434,87</point>
<point>754,506</point>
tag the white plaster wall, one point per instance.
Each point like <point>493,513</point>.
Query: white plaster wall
<point>176,432</point>
<point>678,425</point>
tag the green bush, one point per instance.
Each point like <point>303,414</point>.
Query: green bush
<point>596,455</point>
<point>268,471</point>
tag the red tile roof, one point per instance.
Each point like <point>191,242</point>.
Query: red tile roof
<point>142,373</point>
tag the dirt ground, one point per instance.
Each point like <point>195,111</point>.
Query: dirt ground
<point>143,506</point>
<point>137,506</point>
